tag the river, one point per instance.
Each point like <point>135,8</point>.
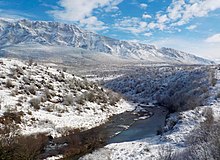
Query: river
<point>145,121</point>
<point>143,128</point>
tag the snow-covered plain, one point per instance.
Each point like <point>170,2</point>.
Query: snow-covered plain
<point>60,98</point>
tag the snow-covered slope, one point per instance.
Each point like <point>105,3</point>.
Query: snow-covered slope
<point>44,99</point>
<point>58,34</point>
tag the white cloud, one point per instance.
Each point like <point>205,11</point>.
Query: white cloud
<point>148,34</point>
<point>82,11</point>
<point>175,9</point>
<point>197,47</point>
<point>143,5</point>
<point>152,25</point>
<point>180,12</point>
<point>191,27</point>
<point>92,23</point>
<point>213,39</point>
<point>162,18</point>
<point>13,14</point>
<point>134,41</point>
<point>133,25</point>
<point>146,16</point>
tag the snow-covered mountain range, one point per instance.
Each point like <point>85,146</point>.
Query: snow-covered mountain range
<point>17,33</point>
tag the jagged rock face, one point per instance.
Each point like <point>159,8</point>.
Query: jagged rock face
<point>58,34</point>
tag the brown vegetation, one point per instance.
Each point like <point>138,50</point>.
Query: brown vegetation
<point>203,142</point>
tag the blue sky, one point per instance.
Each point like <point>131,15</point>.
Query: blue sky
<point>188,25</point>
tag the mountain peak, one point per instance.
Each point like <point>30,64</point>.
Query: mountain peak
<point>59,34</point>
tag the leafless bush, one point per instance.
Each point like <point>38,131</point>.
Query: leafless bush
<point>185,99</point>
<point>32,89</point>
<point>212,77</point>
<point>49,108</point>
<point>166,153</point>
<point>47,93</point>
<point>50,86</point>
<point>15,146</point>
<point>68,99</point>
<point>114,98</point>
<point>72,85</point>
<point>80,100</point>
<point>204,141</point>
<point>35,102</point>
<point>91,97</point>
<point>14,92</point>
<point>26,80</point>
<point>9,83</point>
<point>64,69</point>
<point>208,114</point>
<point>19,70</point>
<point>30,62</point>
<point>8,134</point>
<point>218,95</point>
<point>11,117</point>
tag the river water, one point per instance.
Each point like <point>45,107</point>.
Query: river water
<point>143,128</point>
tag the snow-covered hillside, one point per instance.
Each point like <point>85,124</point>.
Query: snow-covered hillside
<point>43,99</point>
<point>28,32</point>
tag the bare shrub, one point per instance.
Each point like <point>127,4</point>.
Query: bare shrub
<point>62,75</point>
<point>10,117</point>
<point>43,98</point>
<point>214,81</point>
<point>72,85</point>
<point>47,93</point>
<point>166,153</point>
<point>49,108</point>
<point>19,70</point>
<point>114,98</point>
<point>213,78</point>
<point>50,86</point>
<point>91,97</point>
<point>30,147</point>
<point>80,100</point>
<point>32,89</point>
<point>30,62</point>
<point>204,141</point>
<point>15,146</point>
<point>101,97</point>
<point>83,142</point>
<point>68,99</point>
<point>218,95</point>
<point>8,134</point>
<point>9,83</point>
<point>35,102</point>
<point>208,114</point>
<point>35,64</point>
<point>26,80</point>
<point>64,69</point>
<point>14,92</point>
<point>182,100</point>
